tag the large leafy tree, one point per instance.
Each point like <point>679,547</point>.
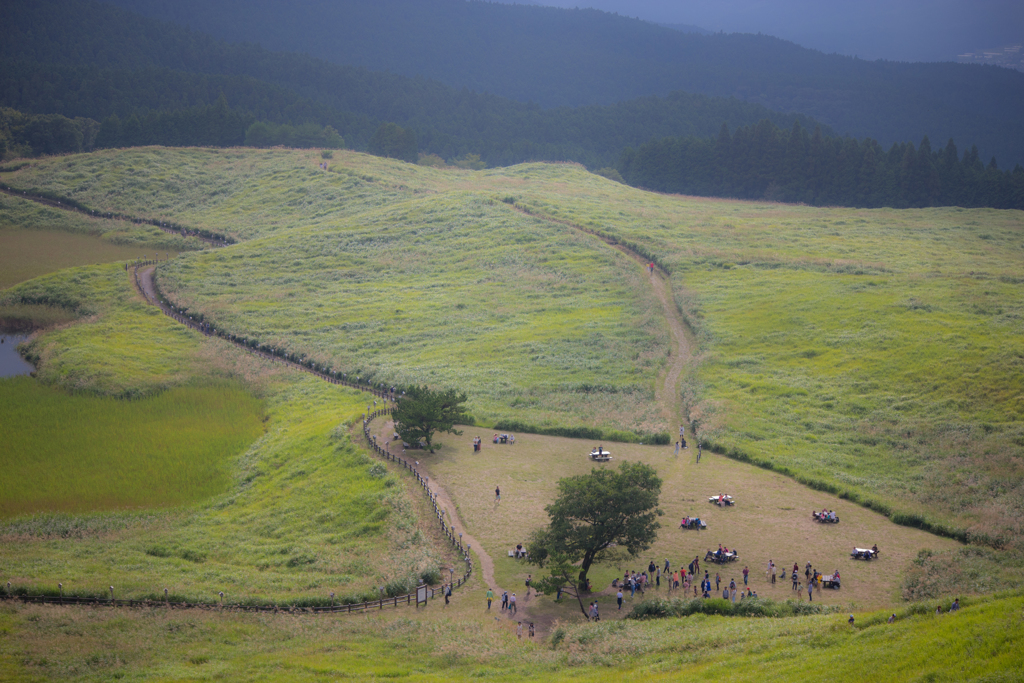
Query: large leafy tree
<point>599,513</point>
<point>424,411</point>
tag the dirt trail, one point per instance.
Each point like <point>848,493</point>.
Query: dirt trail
<point>444,501</point>
<point>667,390</point>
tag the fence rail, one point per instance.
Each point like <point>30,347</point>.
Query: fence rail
<point>208,236</point>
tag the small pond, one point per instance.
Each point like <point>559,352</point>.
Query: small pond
<point>11,363</point>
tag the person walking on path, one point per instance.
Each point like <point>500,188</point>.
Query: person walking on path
<point>504,601</point>
<point>618,596</point>
<point>745,573</point>
<point>490,597</point>
<point>512,604</point>
<point>529,577</point>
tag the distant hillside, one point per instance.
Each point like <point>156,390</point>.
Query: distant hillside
<point>83,58</point>
<point>559,57</point>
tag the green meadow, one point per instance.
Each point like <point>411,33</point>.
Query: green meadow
<point>83,453</point>
<point>872,359</point>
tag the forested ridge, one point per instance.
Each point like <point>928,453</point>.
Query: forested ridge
<point>559,57</point>
<point>86,74</point>
<point>765,162</point>
<point>85,58</point>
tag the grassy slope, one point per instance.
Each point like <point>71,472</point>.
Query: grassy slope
<point>115,237</point>
<point>81,453</point>
<point>874,351</point>
<point>248,545</point>
<point>299,515</point>
<point>879,351</point>
<point>450,289</point>
<point>981,642</point>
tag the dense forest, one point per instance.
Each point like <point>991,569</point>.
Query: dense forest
<point>558,57</point>
<point>764,162</point>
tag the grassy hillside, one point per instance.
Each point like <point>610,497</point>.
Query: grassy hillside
<point>875,353</point>
<point>294,513</point>
<point>77,454</point>
<point>981,642</point>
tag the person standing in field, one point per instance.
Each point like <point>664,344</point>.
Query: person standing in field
<point>490,597</point>
<point>618,597</point>
<point>497,494</point>
<point>677,448</point>
<point>745,573</point>
<point>810,587</point>
<point>732,590</point>
<point>504,601</point>
<point>512,604</point>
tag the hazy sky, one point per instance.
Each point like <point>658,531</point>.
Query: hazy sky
<point>908,30</point>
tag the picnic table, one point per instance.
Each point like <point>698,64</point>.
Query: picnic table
<point>722,558</point>
<point>693,523</point>
<point>830,581</point>
<point>865,553</point>
<point>600,455</point>
<point>722,500</point>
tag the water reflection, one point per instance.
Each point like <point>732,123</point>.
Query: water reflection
<point>11,363</point>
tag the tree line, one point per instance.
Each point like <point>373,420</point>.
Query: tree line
<point>766,162</point>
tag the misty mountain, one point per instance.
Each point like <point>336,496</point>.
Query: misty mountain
<point>80,58</point>
<point>559,57</point>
